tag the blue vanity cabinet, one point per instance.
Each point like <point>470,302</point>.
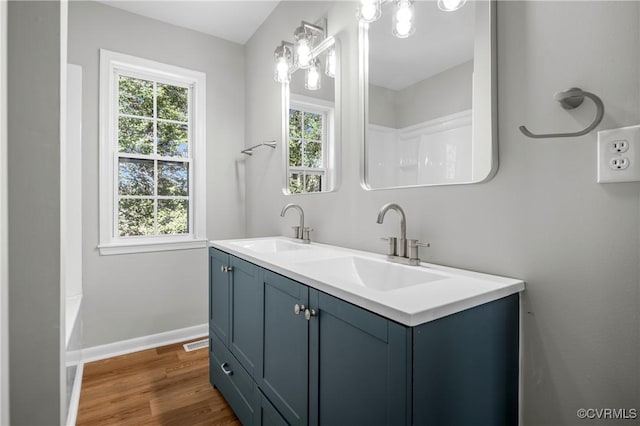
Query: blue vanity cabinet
<point>344,365</point>
<point>232,380</point>
<point>245,325</point>
<point>235,303</point>
<point>340,364</point>
<point>235,338</point>
<point>465,367</point>
<point>285,366</point>
<point>219,285</point>
<point>360,366</point>
<point>268,415</point>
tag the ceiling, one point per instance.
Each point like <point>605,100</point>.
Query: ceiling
<point>442,40</point>
<point>231,20</point>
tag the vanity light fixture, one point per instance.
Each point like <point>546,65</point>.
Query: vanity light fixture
<point>303,47</point>
<point>305,36</point>
<point>403,16</point>
<point>283,62</point>
<point>312,79</point>
<point>403,19</point>
<point>305,54</point>
<point>450,5</point>
<point>369,10</point>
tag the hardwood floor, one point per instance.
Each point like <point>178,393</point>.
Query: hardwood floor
<point>161,386</point>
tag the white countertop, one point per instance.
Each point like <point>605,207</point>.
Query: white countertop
<point>454,290</point>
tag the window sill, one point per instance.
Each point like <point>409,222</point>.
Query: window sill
<point>150,246</point>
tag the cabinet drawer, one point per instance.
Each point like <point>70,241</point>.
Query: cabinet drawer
<point>233,381</point>
<point>269,416</point>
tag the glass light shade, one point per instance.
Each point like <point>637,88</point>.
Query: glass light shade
<point>303,54</point>
<point>403,17</point>
<point>312,79</point>
<point>330,63</point>
<point>302,49</point>
<point>369,10</point>
<point>450,5</point>
<point>282,72</point>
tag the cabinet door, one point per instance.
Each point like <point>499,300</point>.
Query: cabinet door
<point>219,294</point>
<point>360,366</point>
<point>284,377</point>
<point>245,336</point>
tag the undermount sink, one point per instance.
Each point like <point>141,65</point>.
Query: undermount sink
<point>368,273</point>
<point>270,245</point>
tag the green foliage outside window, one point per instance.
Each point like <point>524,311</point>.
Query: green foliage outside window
<point>305,151</point>
<point>153,121</point>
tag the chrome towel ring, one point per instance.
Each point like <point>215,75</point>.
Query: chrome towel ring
<point>570,99</point>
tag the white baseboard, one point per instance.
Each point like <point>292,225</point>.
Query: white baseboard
<point>109,350</point>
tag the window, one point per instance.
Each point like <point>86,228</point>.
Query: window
<point>151,156</point>
<point>309,145</point>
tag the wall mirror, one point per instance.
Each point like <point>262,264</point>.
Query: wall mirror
<point>308,69</point>
<point>428,96</point>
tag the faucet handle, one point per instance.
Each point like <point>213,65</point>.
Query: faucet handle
<point>296,231</point>
<point>306,237</point>
<point>416,244</point>
<point>393,245</point>
<point>413,249</point>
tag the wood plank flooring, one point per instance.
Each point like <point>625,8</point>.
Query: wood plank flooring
<point>161,386</point>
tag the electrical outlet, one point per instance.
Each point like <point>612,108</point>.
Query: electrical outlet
<point>618,146</point>
<point>619,155</point>
<point>619,163</point>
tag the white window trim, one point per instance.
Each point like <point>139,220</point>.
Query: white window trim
<point>327,108</point>
<point>110,243</point>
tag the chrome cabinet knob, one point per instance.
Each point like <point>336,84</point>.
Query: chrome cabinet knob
<point>298,308</point>
<point>308,313</point>
<point>225,268</point>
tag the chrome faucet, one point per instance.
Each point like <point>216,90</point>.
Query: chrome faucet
<point>402,248</point>
<point>301,232</point>
<point>398,249</point>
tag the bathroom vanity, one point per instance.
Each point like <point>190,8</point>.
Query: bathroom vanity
<point>311,334</point>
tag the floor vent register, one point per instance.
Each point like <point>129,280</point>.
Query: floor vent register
<point>198,344</point>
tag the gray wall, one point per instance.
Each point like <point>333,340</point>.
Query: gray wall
<point>543,218</point>
<point>383,106</point>
<point>443,94</point>
<point>128,296</point>
<point>34,58</point>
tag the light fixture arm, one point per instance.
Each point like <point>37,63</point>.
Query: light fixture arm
<point>325,44</point>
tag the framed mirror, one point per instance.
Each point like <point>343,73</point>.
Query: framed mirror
<point>428,101</point>
<point>310,118</point>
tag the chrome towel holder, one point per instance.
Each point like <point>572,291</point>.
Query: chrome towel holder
<point>571,99</point>
<point>249,151</point>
